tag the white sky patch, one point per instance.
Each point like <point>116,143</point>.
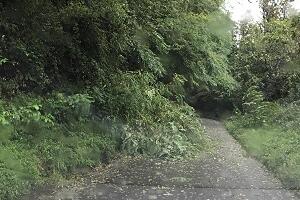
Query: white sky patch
<point>244,10</point>
<point>296,4</point>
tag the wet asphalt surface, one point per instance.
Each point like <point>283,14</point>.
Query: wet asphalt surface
<point>227,174</point>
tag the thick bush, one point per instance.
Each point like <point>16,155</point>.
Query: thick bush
<point>153,124</point>
<point>178,137</point>
<point>289,117</point>
<point>255,111</point>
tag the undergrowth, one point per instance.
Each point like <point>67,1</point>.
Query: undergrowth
<point>270,132</point>
<point>44,138</point>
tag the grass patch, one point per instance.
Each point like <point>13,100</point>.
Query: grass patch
<point>22,167</point>
<point>275,147</point>
<point>32,158</point>
<point>19,168</point>
<point>254,140</point>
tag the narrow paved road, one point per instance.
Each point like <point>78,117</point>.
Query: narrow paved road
<point>227,174</point>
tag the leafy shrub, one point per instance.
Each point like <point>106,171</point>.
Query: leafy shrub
<point>174,90</point>
<point>130,97</point>
<point>30,118</point>
<point>69,108</point>
<point>259,109</point>
<point>289,117</point>
<point>294,93</point>
<point>174,139</point>
<point>69,153</point>
<point>23,111</point>
<point>154,125</point>
<point>256,111</point>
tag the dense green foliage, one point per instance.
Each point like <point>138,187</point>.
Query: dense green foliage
<point>72,42</point>
<point>266,64</point>
<point>48,137</point>
<point>266,57</point>
<point>271,133</point>
<point>81,80</point>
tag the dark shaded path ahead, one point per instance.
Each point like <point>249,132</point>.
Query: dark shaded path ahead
<point>226,174</point>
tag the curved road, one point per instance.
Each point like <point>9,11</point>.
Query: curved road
<point>228,174</point>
